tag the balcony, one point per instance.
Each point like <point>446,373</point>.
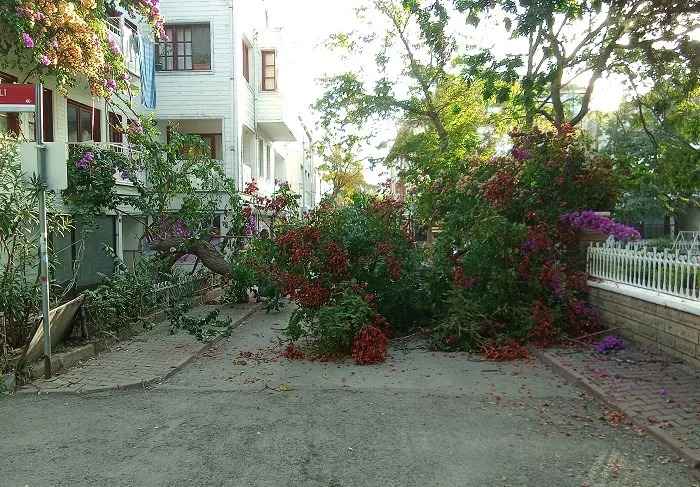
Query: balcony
<point>129,41</point>
<point>124,149</point>
<point>274,116</point>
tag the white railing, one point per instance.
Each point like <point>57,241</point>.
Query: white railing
<point>129,42</point>
<point>688,242</point>
<point>121,148</point>
<point>633,265</point>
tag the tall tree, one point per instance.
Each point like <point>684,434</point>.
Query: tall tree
<point>341,168</point>
<point>406,84</point>
<point>576,43</point>
<point>655,141</point>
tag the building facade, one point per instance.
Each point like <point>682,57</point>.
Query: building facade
<point>76,118</point>
<point>220,75</point>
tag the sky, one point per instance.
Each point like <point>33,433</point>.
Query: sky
<point>307,24</point>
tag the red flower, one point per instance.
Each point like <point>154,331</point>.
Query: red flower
<point>460,280</point>
<point>293,353</point>
<point>369,346</point>
<point>251,188</point>
<point>499,189</point>
<point>505,352</point>
<point>312,295</point>
<point>337,258</point>
<point>543,333</point>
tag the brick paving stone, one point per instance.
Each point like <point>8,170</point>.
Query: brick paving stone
<point>657,392</point>
<point>145,358</point>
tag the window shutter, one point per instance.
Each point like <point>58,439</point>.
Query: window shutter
<point>96,125</point>
<point>48,115</point>
<point>13,123</point>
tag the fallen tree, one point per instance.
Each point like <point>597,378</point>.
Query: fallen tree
<point>177,192</point>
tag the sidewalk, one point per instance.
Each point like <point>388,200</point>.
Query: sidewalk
<point>151,357</point>
<point>652,390</point>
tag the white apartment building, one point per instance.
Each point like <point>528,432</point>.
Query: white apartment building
<point>80,118</point>
<point>221,75</point>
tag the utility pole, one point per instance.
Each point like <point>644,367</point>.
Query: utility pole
<point>43,226</point>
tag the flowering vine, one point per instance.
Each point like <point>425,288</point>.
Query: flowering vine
<point>70,40</point>
<point>594,222</point>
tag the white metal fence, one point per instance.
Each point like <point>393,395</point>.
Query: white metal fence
<point>662,272</point>
<point>688,243</point>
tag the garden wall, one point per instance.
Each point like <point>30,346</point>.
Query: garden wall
<point>669,324</point>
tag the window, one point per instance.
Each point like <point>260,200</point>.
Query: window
<point>9,122</point>
<point>116,131</point>
<point>84,123</point>
<point>269,71</point>
<point>48,115</point>
<point>188,48</point>
<point>210,139</point>
<point>246,61</point>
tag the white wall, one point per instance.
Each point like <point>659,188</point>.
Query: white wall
<point>203,94</point>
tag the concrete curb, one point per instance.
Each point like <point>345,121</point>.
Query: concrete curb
<point>153,380</point>
<point>574,377</point>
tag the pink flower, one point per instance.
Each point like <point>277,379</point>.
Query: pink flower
<point>114,46</point>
<point>110,85</point>
<point>27,40</point>
<point>44,60</point>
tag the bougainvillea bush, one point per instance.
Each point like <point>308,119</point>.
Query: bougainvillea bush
<point>69,39</point>
<point>509,252</point>
<point>353,272</point>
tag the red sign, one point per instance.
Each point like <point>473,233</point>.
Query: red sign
<point>22,95</point>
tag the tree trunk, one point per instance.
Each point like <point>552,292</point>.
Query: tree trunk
<point>206,252</point>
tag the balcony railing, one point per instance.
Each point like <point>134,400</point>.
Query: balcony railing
<point>125,149</point>
<point>129,42</point>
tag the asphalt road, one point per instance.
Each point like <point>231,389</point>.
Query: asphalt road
<point>242,416</point>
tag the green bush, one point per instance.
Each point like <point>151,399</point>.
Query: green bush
<point>123,299</point>
<point>349,266</point>
<point>512,269</point>
<point>335,325</point>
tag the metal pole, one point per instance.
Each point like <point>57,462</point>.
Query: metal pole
<point>43,227</point>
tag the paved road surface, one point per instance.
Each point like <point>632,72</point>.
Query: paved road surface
<point>240,416</point>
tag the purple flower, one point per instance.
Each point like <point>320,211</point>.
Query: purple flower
<point>250,226</point>
<point>181,230</point>
<point>110,85</point>
<point>44,59</point>
<point>591,221</point>
<point>609,344</point>
<point>114,46</point>
<point>27,40</point>
<point>85,161</point>
<point>520,153</point>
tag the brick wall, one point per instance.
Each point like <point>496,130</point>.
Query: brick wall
<point>675,332</point>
